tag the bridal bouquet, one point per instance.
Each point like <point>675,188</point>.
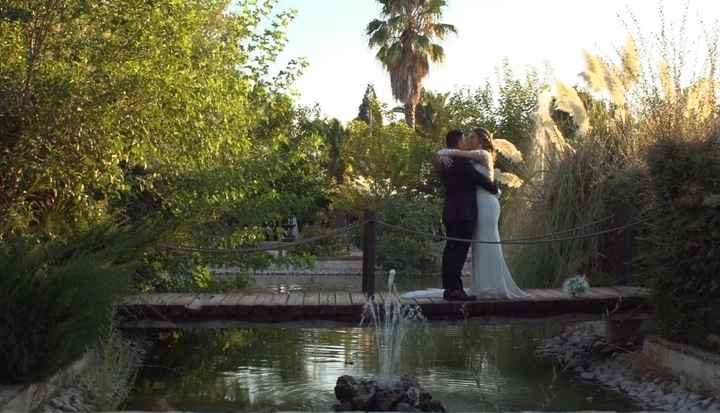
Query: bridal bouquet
<point>577,285</point>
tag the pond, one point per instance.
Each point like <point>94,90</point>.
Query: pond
<point>468,366</point>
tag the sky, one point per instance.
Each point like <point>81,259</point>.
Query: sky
<point>330,34</point>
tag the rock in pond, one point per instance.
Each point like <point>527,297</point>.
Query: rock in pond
<point>400,394</point>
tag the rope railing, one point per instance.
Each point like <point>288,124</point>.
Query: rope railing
<point>271,247</point>
<point>370,224</point>
<point>540,239</point>
<point>566,231</point>
<point>520,241</point>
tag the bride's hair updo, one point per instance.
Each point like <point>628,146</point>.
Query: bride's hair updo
<point>486,140</point>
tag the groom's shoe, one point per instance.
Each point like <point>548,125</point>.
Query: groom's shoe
<point>457,295</point>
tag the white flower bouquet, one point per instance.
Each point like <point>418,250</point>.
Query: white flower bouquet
<point>577,285</point>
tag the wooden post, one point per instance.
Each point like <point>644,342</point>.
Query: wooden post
<point>624,245</point>
<point>369,243</point>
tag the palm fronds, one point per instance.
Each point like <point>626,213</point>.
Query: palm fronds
<point>406,38</point>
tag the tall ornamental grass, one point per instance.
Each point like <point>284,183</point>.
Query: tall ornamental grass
<point>597,177</point>
<point>645,149</point>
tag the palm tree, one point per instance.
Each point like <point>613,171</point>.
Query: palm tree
<point>370,110</point>
<point>432,113</point>
<point>405,45</point>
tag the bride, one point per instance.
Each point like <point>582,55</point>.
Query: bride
<point>491,276</point>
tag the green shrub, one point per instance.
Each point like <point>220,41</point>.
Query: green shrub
<point>682,247</point>
<point>177,271</point>
<point>55,297</point>
<point>335,246</point>
<point>404,251</point>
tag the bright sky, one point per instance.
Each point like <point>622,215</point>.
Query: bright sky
<point>330,34</point>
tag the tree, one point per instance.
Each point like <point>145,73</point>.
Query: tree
<point>370,111</point>
<point>432,115</point>
<point>333,135</point>
<point>516,106</point>
<point>132,107</point>
<point>405,42</point>
<point>198,122</point>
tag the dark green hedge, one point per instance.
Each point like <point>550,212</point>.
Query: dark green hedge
<point>682,246</point>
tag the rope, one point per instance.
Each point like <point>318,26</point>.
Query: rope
<point>550,234</point>
<point>540,239</point>
<point>512,242</point>
<point>272,247</point>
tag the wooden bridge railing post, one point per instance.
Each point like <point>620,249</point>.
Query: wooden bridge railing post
<point>623,245</point>
<point>369,243</point>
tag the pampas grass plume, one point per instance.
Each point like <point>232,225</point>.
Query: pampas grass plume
<point>508,150</point>
<point>667,83</point>
<point>508,179</point>
<point>594,73</point>
<point>615,87</point>
<point>567,100</point>
<point>631,62</point>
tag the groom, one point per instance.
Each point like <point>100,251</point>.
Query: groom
<point>460,213</point>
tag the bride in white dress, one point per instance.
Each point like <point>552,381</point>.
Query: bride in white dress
<point>491,277</point>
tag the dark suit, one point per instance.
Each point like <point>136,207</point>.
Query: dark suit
<point>460,181</point>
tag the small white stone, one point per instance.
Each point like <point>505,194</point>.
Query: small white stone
<point>587,375</point>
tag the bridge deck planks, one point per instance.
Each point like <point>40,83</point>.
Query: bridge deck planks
<point>358,298</point>
<point>295,300</point>
<point>343,299</point>
<point>348,306</point>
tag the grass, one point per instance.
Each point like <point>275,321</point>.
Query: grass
<point>115,362</point>
<point>626,106</point>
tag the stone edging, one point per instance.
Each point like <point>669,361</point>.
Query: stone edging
<point>700,369</point>
<point>29,396</point>
<point>686,349</point>
<point>583,350</point>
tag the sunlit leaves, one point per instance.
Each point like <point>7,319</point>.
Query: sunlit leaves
<point>171,99</point>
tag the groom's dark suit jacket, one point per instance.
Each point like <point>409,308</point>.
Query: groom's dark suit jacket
<point>460,181</point>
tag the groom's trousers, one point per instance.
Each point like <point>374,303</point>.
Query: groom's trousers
<point>455,253</point>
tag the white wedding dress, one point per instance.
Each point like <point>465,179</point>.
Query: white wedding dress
<point>491,276</point>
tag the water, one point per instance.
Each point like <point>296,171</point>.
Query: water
<point>392,322</point>
<point>469,367</point>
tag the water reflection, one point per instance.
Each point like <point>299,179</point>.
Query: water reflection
<point>269,369</point>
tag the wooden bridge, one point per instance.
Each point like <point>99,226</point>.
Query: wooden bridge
<point>348,307</point>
